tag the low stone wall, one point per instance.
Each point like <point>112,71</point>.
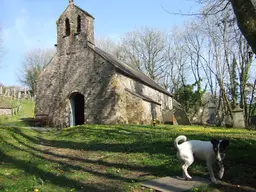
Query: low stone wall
<point>10,111</point>
<point>5,111</point>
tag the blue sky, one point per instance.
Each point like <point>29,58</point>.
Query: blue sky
<point>29,24</point>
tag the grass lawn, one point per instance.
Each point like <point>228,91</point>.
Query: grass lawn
<point>112,158</point>
<point>27,110</point>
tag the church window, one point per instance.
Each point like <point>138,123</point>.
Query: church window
<point>67,25</point>
<point>78,24</point>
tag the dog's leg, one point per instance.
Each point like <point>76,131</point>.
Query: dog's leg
<point>183,162</point>
<point>183,173</point>
<point>185,167</point>
<point>209,166</point>
<point>221,171</point>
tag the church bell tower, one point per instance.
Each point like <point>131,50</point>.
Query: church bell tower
<point>75,29</point>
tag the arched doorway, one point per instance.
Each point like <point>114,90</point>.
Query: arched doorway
<point>76,109</point>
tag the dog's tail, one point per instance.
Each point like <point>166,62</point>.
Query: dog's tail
<point>178,139</point>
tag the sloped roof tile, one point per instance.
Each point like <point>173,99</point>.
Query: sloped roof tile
<point>131,72</point>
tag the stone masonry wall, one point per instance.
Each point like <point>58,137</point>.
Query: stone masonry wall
<point>76,40</point>
<point>106,100</point>
<point>80,71</point>
<point>5,111</point>
<point>77,68</point>
<point>134,109</point>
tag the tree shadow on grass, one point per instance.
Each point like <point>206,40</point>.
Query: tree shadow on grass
<point>140,142</point>
<point>33,148</point>
<point>56,159</point>
<point>139,145</point>
<point>60,180</point>
<point>153,170</point>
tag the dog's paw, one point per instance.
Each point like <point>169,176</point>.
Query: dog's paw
<point>188,178</point>
<point>221,173</point>
<point>214,180</point>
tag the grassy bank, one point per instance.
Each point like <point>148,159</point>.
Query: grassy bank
<point>114,158</point>
<point>27,110</point>
<point>8,102</point>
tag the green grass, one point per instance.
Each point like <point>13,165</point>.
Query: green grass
<point>114,158</point>
<point>8,102</point>
<point>27,110</point>
<point>111,158</point>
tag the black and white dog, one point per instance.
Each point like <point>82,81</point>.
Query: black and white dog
<point>211,151</point>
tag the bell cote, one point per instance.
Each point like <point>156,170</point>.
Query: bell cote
<point>75,26</point>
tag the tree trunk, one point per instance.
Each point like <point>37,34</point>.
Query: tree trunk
<point>246,18</point>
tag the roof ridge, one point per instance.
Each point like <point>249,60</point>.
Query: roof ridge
<point>83,11</point>
<point>74,5</point>
<point>130,71</point>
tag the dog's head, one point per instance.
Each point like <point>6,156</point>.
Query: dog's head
<point>220,147</point>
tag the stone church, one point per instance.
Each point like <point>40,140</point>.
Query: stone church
<point>84,85</point>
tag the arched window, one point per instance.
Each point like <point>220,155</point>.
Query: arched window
<point>67,25</point>
<point>78,24</point>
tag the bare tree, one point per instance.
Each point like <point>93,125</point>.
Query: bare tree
<point>105,43</point>
<point>219,42</point>
<point>111,46</point>
<point>33,64</point>
<point>244,61</point>
<point>252,100</point>
<point>241,45</point>
<point>177,69</point>
<point>245,11</point>
<point>226,58</point>
<point>145,49</point>
<point>232,62</point>
<point>245,14</point>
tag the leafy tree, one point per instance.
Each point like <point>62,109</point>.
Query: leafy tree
<point>190,97</point>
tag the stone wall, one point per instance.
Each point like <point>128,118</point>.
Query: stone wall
<point>134,109</point>
<point>104,90</point>
<point>77,68</point>
<point>84,72</point>
<point>5,111</point>
<point>76,40</point>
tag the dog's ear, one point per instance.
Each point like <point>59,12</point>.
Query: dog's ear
<point>214,142</point>
<point>225,143</point>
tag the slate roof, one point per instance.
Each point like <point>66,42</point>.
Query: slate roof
<point>131,72</point>
<point>124,68</point>
<point>142,96</point>
<point>84,11</point>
